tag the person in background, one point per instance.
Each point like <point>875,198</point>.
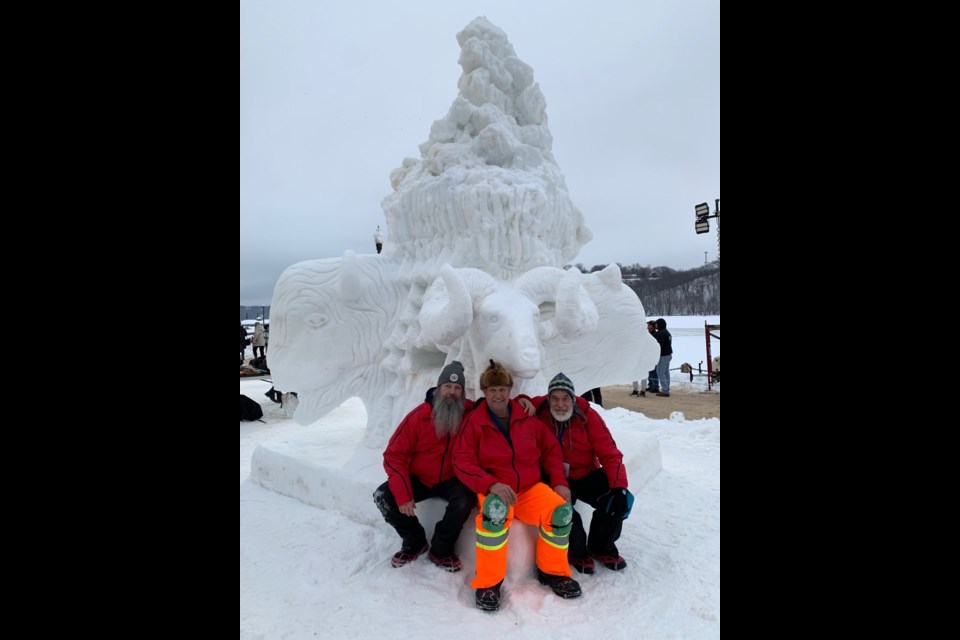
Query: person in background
<point>499,454</point>
<point>258,340</point>
<point>651,384</point>
<point>595,472</point>
<point>594,395</point>
<point>243,344</point>
<point>666,355</point>
<point>419,465</point>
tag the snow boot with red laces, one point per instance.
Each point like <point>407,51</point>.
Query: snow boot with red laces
<point>449,563</point>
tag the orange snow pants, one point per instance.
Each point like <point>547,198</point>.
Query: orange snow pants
<point>534,506</point>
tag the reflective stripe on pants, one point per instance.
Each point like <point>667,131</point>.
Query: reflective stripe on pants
<point>535,507</point>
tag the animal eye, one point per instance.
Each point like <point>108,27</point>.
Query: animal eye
<point>494,318</point>
<point>316,320</point>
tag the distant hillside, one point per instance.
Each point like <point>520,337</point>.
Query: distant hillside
<point>671,292</point>
<point>249,313</point>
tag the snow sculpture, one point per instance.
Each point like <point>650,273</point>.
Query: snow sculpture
<point>329,320</point>
<point>486,192</point>
<point>478,229</point>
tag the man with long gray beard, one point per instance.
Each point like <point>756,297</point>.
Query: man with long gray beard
<point>419,465</point>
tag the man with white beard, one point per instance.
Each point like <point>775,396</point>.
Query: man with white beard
<point>595,471</point>
<point>419,465</point>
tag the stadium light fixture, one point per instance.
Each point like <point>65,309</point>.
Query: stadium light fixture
<point>702,221</point>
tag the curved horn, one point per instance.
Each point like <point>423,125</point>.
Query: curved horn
<point>447,310</point>
<point>479,283</point>
<point>540,284</point>
<point>576,315</point>
<point>349,287</point>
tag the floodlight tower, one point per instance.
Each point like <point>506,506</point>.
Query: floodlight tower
<point>702,225</point>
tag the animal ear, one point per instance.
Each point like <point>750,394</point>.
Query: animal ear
<point>610,276</point>
<point>349,283</point>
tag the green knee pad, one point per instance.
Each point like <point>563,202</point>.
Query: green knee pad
<point>494,513</point>
<point>562,520</point>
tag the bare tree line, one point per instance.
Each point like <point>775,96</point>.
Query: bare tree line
<point>671,292</point>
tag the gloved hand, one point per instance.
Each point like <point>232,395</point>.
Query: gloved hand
<point>616,503</point>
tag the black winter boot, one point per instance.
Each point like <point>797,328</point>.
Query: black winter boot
<point>488,598</point>
<point>562,585</point>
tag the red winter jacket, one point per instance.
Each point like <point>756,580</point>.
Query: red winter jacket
<point>415,450</point>
<point>587,443</point>
<point>483,455</point>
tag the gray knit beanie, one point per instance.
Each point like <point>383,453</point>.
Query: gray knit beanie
<point>452,373</point>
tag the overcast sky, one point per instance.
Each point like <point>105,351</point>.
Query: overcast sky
<point>334,95</point>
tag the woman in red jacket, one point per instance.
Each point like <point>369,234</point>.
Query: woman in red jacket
<point>595,472</point>
<point>499,454</point>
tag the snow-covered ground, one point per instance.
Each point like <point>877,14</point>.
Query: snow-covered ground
<point>310,572</point>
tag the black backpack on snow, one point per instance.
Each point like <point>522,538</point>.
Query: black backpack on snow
<point>249,409</point>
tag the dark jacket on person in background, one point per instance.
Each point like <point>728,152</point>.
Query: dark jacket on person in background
<point>664,338</point>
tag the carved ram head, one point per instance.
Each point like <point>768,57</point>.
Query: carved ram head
<point>478,318</point>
